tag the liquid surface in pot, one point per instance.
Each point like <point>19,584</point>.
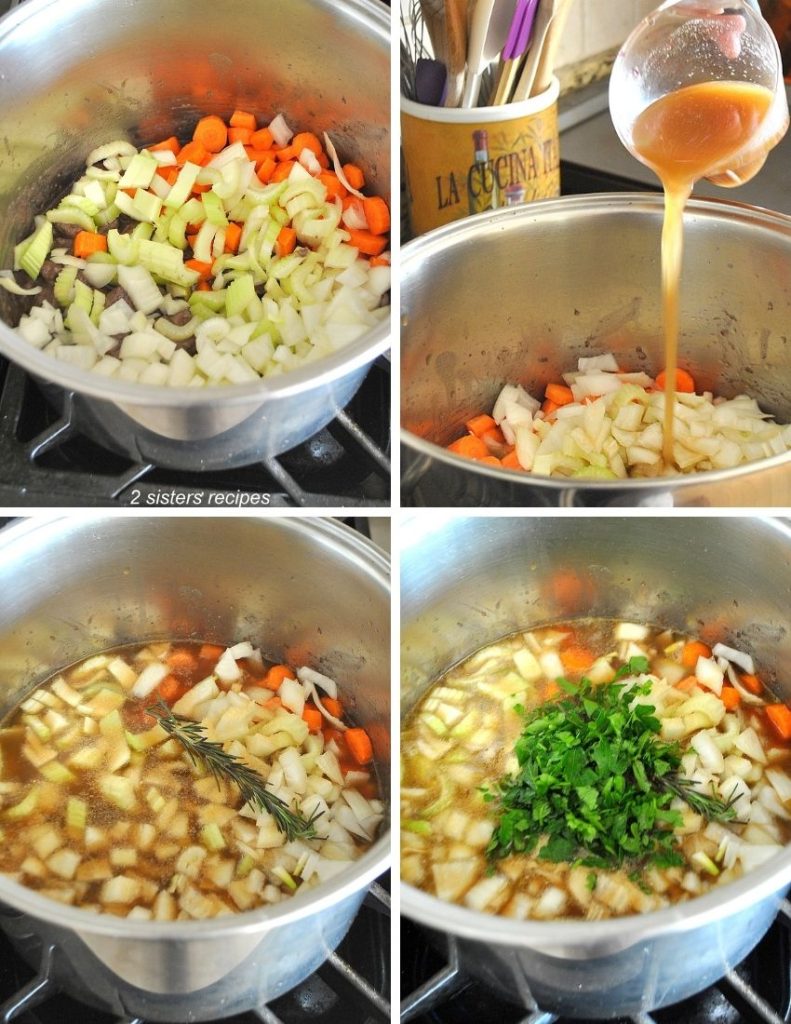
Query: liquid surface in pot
<point>590,770</point>
<point>182,780</point>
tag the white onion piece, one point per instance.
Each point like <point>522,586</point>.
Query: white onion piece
<point>308,675</point>
<point>226,668</point>
<point>709,753</point>
<point>292,695</point>
<point>745,694</point>
<point>241,650</point>
<point>744,661</point>
<point>313,693</point>
<point>709,674</point>
<point>339,169</point>
<point>781,784</point>
<point>280,130</point>
<point>606,362</point>
<point>148,680</point>
<point>631,631</point>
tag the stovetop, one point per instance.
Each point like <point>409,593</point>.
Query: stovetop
<point>351,987</point>
<point>758,991</point>
<point>45,461</point>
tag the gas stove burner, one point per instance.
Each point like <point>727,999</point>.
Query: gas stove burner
<point>436,991</point>
<point>351,987</point>
<point>44,460</point>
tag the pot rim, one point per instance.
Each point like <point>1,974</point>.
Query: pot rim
<point>355,549</point>
<point>433,242</point>
<point>619,932</point>
<point>375,16</point>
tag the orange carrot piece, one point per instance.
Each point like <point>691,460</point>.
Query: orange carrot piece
<point>495,436</point>
<point>243,119</point>
<point>276,675</point>
<point>212,133</point>
<point>204,269</point>
<point>551,690</point>
<point>780,717</point>
<point>273,703</point>
<point>266,169</point>
<point>549,407</point>
<point>286,153</point>
<point>377,213</point>
<point>233,235</point>
<point>313,717</point>
<point>193,152</point>
<point>693,650</point>
<point>490,460</point>
<point>172,144</point>
<point>172,689</point>
<point>730,697</point>
<point>687,683</point>
<point>242,135</point>
<point>286,241</point>
<point>262,139</point>
<point>368,244</point>
<point>510,461</point>
<point>335,187</point>
<point>282,171</point>
<point>576,658</point>
<point>379,261</point>
<point>333,705</point>
<point>169,173</point>
<point>559,394</point>
<point>210,652</point>
<point>470,446</point>
<point>182,660</point>
<point>751,683</point>
<point>479,425</point>
<point>359,744</point>
<point>306,140</point>
<point>685,382</point>
<point>354,175</point>
<point>203,286</point>
<point>88,242</point>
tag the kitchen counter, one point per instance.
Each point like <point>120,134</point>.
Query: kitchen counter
<point>587,138</point>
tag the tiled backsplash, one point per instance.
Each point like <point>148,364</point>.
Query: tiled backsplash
<point>594,26</point>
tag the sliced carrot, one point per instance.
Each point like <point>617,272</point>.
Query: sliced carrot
<point>368,244</point>
<point>576,658</point>
<point>549,407</point>
<point>510,461</point>
<point>182,660</point>
<point>273,703</point>
<point>470,447</point>
<point>335,187</point>
<point>282,171</point>
<point>243,119</point>
<point>172,689</point>
<point>559,394</point>
<point>172,144</point>
<point>210,652</point>
<point>685,382</point>
<point>377,213</point>
<point>551,690</point>
<point>193,152</point>
<point>780,717</point>
<point>379,261</point>
<point>495,436</point>
<point>212,133</point>
<point>242,135</point>
<point>233,235</point>
<point>266,169</point>
<point>354,175</point>
<point>276,675</point>
<point>306,140</point>
<point>286,241</point>
<point>286,153</point>
<point>479,425</point>
<point>204,269</point>
<point>490,460</point>
<point>692,650</point>
<point>359,745</point>
<point>169,173</point>
<point>203,286</point>
<point>751,683</point>
<point>730,697</point>
<point>313,717</point>
<point>88,242</point>
<point>334,706</point>
<point>687,683</point>
<point>197,188</point>
<point>262,139</point>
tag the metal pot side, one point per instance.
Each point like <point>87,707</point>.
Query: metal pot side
<point>467,582</point>
<point>78,75</point>
<point>307,590</point>
<point>517,296</point>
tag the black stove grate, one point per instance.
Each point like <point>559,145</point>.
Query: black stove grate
<point>44,460</point>
<point>351,987</point>
<point>758,991</point>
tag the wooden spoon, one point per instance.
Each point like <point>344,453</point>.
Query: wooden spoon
<point>456,61</point>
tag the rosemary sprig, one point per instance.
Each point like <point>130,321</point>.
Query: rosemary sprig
<point>711,807</point>
<point>226,768</point>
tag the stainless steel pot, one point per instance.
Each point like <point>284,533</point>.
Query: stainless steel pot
<point>467,582</point>
<point>76,75</point>
<point>519,295</point>
<point>305,589</point>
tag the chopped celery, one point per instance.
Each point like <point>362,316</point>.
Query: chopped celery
<point>241,293</point>
<point>71,215</point>
<point>40,728</point>
<point>76,814</point>
<point>118,790</point>
<point>212,837</point>
<point>54,771</point>
<point>122,248</point>
<point>214,210</point>
<point>25,807</point>
<point>214,300</point>
<point>146,205</point>
<point>183,185</point>
<point>31,254</point>
<point>418,826</point>
<point>285,877</point>
<point>140,172</point>
<point>80,203</point>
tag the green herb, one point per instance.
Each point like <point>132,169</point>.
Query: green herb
<point>595,782</point>
<point>225,767</point>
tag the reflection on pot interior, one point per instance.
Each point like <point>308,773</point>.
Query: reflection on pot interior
<point>183,780</point>
<point>593,770</point>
